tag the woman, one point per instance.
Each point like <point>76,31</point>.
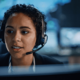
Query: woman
<point>23,30</point>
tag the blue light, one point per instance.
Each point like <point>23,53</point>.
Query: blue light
<point>43,5</point>
<point>50,24</point>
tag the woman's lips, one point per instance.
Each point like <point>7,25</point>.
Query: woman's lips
<point>17,49</point>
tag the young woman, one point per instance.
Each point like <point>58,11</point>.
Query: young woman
<point>23,30</point>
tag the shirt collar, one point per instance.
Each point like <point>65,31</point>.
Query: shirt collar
<point>10,66</point>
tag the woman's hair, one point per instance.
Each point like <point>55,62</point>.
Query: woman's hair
<point>30,11</point>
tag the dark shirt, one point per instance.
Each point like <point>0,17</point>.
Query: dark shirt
<point>39,59</point>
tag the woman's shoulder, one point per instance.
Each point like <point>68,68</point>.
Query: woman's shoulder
<point>44,59</point>
<point>4,59</point>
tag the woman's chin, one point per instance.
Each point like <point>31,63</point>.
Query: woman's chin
<point>17,55</point>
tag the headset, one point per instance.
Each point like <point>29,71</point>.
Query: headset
<point>41,39</point>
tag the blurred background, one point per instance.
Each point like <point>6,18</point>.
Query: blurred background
<point>63,26</point>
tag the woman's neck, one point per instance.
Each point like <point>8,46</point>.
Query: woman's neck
<point>26,60</point>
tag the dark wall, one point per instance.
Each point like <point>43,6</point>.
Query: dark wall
<point>68,14</point>
<point>72,13</point>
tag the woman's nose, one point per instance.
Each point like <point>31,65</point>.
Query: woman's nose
<point>17,37</point>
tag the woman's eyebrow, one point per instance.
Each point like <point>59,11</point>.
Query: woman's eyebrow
<point>20,27</point>
<point>9,27</point>
<point>24,27</point>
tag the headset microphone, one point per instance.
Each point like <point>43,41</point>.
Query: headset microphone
<point>44,42</point>
<point>34,50</point>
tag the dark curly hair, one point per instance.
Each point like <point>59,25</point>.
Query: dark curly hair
<point>30,11</point>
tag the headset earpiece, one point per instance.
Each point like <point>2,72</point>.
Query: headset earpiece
<point>45,39</point>
<point>42,38</point>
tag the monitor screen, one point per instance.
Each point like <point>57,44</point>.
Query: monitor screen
<point>70,37</point>
<point>56,72</point>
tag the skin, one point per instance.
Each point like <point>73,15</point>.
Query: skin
<point>20,31</point>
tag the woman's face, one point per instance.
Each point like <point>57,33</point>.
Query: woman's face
<point>20,34</point>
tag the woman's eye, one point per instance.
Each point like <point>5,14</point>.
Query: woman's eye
<point>24,32</point>
<point>9,31</point>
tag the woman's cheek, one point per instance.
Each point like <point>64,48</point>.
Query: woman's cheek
<point>7,41</point>
<point>30,40</point>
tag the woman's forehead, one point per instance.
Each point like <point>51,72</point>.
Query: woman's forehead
<point>17,15</point>
<point>20,19</point>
